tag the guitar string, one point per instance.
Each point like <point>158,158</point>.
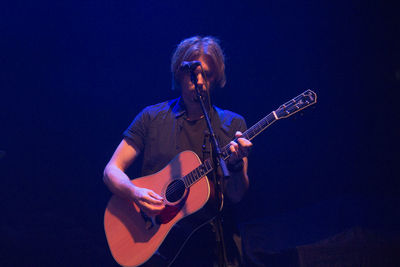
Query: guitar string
<point>249,134</point>
<point>226,153</point>
<point>202,169</point>
<point>174,187</point>
<point>253,131</point>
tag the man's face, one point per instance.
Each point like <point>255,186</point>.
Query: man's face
<point>188,90</point>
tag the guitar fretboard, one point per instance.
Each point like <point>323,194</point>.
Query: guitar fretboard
<point>207,167</point>
<point>289,108</point>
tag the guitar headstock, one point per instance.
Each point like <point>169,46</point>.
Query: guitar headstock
<point>298,103</point>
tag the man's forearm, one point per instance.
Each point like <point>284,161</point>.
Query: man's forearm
<point>118,182</point>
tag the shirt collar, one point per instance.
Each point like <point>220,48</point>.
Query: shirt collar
<point>179,108</point>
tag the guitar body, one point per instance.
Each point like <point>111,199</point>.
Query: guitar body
<point>133,237</point>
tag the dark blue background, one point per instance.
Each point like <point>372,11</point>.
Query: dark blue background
<point>73,74</point>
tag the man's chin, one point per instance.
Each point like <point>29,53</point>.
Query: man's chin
<point>192,97</point>
<point>196,98</point>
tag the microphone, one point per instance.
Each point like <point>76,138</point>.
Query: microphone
<point>190,65</point>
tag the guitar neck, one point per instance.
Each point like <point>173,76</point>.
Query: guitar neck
<point>291,107</point>
<point>207,166</point>
<point>253,131</point>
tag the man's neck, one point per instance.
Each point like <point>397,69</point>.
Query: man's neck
<point>194,110</point>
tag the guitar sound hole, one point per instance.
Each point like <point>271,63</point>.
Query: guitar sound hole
<point>175,190</point>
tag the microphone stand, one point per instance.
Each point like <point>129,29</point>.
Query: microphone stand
<point>219,157</point>
<point>218,162</point>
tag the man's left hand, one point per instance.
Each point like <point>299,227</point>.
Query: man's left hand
<point>239,149</point>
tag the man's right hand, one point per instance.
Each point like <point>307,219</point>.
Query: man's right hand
<point>148,201</point>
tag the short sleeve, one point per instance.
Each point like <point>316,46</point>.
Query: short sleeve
<point>137,130</point>
<point>242,126</point>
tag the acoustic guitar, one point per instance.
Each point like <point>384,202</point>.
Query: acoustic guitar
<point>135,238</point>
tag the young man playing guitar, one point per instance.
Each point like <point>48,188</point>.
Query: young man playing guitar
<point>162,131</point>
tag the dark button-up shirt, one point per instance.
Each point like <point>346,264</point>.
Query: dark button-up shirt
<point>156,131</point>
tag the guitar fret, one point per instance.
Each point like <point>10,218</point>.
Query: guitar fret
<point>187,182</point>
<point>202,170</point>
<point>208,165</point>
<point>198,173</point>
<point>226,153</point>
<point>253,133</point>
<point>191,178</point>
<point>194,175</point>
<point>272,116</point>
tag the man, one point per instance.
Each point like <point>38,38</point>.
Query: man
<point>162,131</point>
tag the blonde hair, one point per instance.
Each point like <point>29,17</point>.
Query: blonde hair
<point>191,49</point>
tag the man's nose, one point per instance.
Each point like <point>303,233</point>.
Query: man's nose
<point>200,79</point>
